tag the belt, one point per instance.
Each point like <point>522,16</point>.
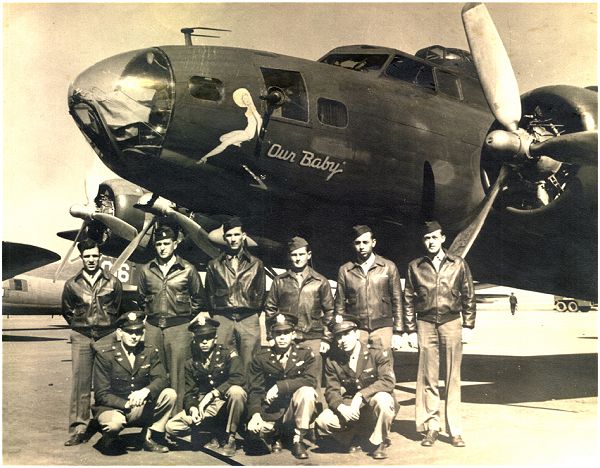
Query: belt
<point>166,322</point>
<point>236,314</point>
<point>95,333</point>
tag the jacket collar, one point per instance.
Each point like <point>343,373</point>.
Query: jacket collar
<point>103,274</point>
<point>243,254</point>
<point>178,262</point>
<point>378,261</point>
<point>447,256</point>
<point>310,273</point>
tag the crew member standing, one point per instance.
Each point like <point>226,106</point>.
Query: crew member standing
<point>235,286</point>
<point>440,307</point>
<point>306,294</point>
<point>360,388</point>
<point>90,305</point>
<point>214,394</point>
<point>370,290</point>
<point>513,303</point>
<point>172,293</point>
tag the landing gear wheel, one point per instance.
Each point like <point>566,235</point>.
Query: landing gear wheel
<point>573,306</point>
<point>561,306</point>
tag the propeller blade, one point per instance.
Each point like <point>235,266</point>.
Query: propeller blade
<point>68,255</point>
<point>493,65</point>
<point>116,225</point>
<point>572,148</point>
<point>464,240</point>
<point>132,246</point>
<point>198,235</point>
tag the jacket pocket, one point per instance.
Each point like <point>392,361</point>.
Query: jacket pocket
<point>220,297</point>
<point>182,298</point>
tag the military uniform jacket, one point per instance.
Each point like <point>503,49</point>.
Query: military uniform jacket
<point>224,369</point>
<point>115,379</point>
<point>374,373</point>
<point>265,371</point>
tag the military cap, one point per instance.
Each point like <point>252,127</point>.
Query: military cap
<point>341,323</point>
<point>133,320</point>
<point>204,327</point>
<point>232,223</point>
<point>359,230</point>
<point>296,243</point>
<point>283,322</point>
<point>164,232</point>
<point>431,226</point>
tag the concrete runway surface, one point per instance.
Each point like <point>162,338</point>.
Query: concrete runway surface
<point>530,393</point>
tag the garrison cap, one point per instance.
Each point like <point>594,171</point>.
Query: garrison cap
<point>359,230</point>
<point>232,223</point>
<point>133,320</point>
<point>341,323</point>
<point>164,232</point>
<point>203,327</point>
<point>283,322</point>
<point>296,243</point>
<point>431,226</point>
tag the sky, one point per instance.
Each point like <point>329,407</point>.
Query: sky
<point>45,46</point>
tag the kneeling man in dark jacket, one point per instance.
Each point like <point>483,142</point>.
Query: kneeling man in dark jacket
<point>130,388</point>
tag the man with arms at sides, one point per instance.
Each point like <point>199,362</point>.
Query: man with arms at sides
<point>440,307</point>
<point>90,305</point>
<point>369,289</point>
<point>214,395</point>
<point>281,395</point>
<point>306,294</point>
<point>235,286</point>
<point>172,294</point>
<point>130,388</point>
<point>360,385</point>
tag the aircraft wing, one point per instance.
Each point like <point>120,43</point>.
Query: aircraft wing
<point>19,258</point>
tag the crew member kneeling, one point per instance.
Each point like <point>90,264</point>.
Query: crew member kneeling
<point>214,377</point>
<point>360,384</point>
<point>130,388</point>
<point>282,393</point>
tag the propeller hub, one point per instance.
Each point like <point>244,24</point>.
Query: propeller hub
<point>510,146</point>
<point>82,211</point>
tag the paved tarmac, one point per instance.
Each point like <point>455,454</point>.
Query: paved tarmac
<point>530,388</point>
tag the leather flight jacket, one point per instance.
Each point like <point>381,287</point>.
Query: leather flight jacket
<point>235,294</point>
<point>92,310</point>
<point>439,297</point>
<point>375,298</point>
<point>172,299</point>
<point>311,302</point>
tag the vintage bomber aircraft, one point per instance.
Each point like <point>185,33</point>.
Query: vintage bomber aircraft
<point>364,135</point>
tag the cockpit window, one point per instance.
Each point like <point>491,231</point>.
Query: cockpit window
<point>131,96</point>
<point>411,71</point>
<point>358,62</point>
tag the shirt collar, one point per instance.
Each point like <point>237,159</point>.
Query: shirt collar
<point>175,260</point>
<point>96,276</point>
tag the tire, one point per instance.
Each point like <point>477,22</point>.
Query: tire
<point>561,306</point>
<point>573,306</point>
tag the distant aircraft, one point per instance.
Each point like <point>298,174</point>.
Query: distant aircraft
<point>27,290</point>
<point>366,134</point>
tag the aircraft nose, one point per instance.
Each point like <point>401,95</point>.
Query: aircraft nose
<point>125,103</point>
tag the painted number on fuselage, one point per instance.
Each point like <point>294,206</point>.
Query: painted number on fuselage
<point>123,274</point>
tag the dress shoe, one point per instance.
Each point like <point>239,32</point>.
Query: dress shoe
<point>380,453</point>
<point>111,446</point>
<point>230,446</point>
<point>299,450</point>
<point>213,444</point>
<point>457,441</point>
<point>77,438</point>
<point>353,449</point>
<point>276,447</point>
<point>429,438</point>
<point>150,445</point>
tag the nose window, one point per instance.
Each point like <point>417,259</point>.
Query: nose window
<point>130,96</point>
